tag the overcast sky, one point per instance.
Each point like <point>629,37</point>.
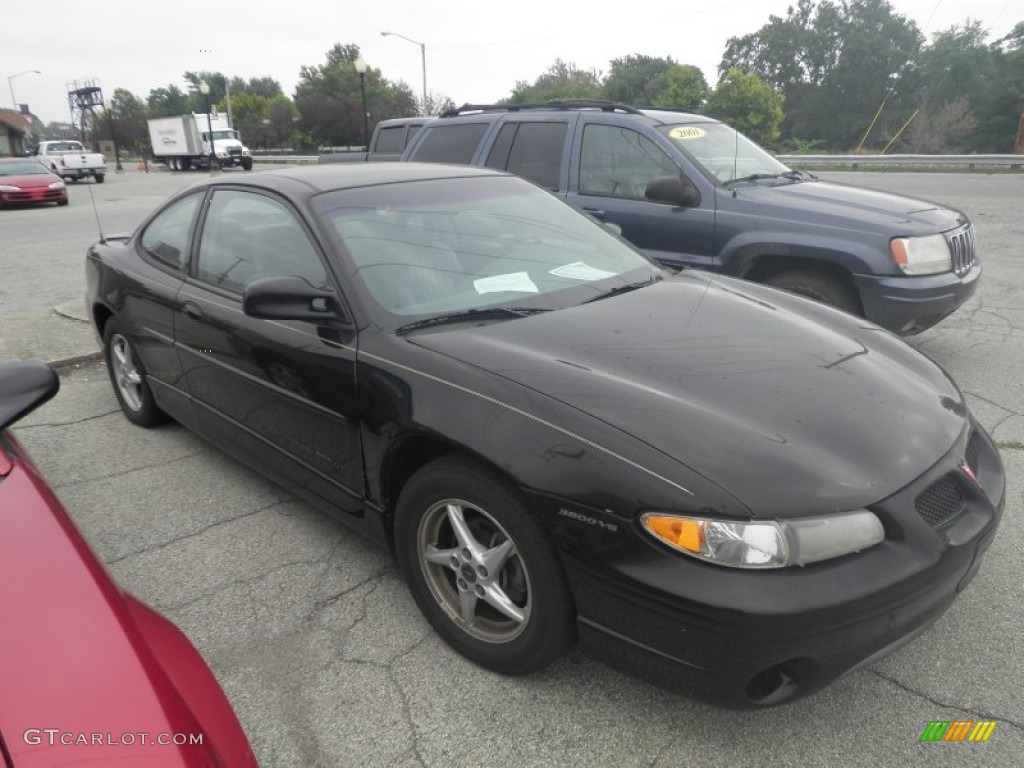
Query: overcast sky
<point>476,51</point>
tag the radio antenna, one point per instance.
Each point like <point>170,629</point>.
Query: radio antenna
<point>96,213</point>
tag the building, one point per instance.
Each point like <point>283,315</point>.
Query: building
<point>15,132</point>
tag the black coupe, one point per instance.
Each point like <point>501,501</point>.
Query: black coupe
<point>734,490</point>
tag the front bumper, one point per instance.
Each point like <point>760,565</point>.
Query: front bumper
<point>33,195</point>
<point>909,305</point>
<point>748,639</point>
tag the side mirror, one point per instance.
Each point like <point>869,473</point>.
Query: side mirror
<point>677,190</point>
<point>289,298</point>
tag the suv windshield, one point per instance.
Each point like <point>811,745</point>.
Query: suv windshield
<point>427,248</point>
<point>723,151</point>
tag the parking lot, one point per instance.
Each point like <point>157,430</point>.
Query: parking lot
<point>323,653</point>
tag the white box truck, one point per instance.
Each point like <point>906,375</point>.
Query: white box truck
<point>182,142</point>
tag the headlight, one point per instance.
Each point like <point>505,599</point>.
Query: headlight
<point>57,185</point>
<point>927,255</point>
<point>9,188</point>
<point>768,543</point>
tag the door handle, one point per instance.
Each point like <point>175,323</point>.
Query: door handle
<point>597,213</point>
<point>192,310</point>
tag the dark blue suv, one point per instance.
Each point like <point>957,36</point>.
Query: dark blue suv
<point>690,191</point>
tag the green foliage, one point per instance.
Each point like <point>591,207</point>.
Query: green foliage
<point>561,81</point>
<point>636,79</point>
<point>681,86</point>
<point>836,64</point>
<point>167,102</point>
<point>748,104</point>
<point>330,104</point>
<point>128,113</point>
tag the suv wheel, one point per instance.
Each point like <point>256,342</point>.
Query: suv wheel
<point>818,286</point>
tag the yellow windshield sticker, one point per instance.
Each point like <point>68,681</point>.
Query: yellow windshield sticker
<point>688,132</point>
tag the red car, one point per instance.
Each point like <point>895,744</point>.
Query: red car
<point>90,675</point>
<point>24,180</point>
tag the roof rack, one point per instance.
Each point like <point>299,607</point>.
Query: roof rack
<point>605,106</point>
<point>683,110</point>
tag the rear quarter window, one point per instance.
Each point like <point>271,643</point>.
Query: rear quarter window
<point>390,140</point>
<point>450,143</point>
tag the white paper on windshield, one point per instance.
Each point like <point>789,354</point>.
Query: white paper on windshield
<point>579,270</point>
<point>518,282</point>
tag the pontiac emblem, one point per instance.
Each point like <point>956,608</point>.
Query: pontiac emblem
<point>969,472</point>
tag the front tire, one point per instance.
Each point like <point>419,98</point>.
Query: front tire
<point>481,569</point>
<point>819,286</point>
<point>128,378</point>
<point>246,163</point>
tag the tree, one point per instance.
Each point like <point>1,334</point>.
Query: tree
<point>129,113</point>
<point>329,101</point>
<point>836,63</point>
<point>636,79</point>
<point>681,86</point>
<point>561,81</point>
<point>167,102</point>
<point>748,104</point>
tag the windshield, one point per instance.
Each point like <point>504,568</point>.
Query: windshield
<point>224,135</point>
<point>65,146</point>
<point>425,248</point>
<point>723,151</point>
<point>26,168</point>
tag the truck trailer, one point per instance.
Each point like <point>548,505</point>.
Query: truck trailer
<point>182,142</point>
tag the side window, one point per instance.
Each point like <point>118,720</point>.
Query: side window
<point>390,139</point>
<point>498,156</point>
<point>248,236</point>
<point>537,152</point>
<point>166,237</point>
<point>620,162</point>
<point>450,143</point>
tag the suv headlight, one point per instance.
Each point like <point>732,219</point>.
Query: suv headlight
<point>928,255</point>
<point>766,543</point>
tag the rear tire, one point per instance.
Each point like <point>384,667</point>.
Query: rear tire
<point>128,377</point>
<point>820,286</point>
<point>481,569</point>
<point>186,163</point>
<point>99,178</point>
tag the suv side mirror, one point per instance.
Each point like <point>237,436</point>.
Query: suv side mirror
<point>677,190</point>
<point>289,298</point>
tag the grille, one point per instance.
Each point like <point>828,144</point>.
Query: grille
<point>939,502</point>
<point>234,150</point>
<point>961,246</point>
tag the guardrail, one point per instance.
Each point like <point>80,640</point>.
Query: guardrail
<point>971,161</point>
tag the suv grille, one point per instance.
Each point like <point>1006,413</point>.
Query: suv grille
<point>961,246</point>
<point>940,502</point>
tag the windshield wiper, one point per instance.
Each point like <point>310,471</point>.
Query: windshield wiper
<point>470,314</point>
<point>754,177</point>
<point>624,288</point>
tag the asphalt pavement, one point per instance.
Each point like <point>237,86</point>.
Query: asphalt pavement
<point>322,650</point>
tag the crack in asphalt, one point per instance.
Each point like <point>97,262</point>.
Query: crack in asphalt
<point>67,423</point>
<point>994,404</point>
<point>165,463</point>
<point>193,534</point>
<point>946,705</point>
<point>407,708</point>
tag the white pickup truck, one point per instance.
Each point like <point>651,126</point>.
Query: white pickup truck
<point>69,160</point>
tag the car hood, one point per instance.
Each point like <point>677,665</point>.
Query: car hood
<point>29,181</point>
<point>792,407</point>
<point>843,206</point>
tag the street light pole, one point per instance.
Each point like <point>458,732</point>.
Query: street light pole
<point>360,64</point>
<point>204,88</point>
<point>10,84</point>
<point>423,58</point>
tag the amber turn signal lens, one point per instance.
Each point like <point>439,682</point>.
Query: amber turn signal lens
<point>684,533</point>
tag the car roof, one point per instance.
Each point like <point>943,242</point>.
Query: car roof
<point>322,178</point>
